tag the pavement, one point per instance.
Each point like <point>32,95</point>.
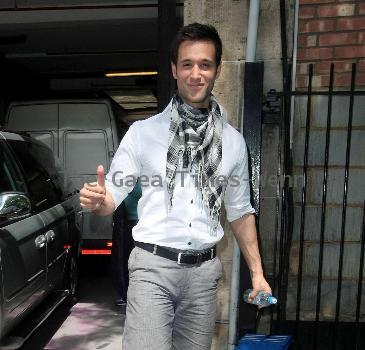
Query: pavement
<point>94,322</point>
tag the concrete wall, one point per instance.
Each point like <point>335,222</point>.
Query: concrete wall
<point>230,17</point>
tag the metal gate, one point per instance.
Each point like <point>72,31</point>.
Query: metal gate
<point>319,253</point>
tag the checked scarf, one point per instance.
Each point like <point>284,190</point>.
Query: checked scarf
<point>195,139</point>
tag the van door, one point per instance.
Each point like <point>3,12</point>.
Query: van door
<point>85,142</point>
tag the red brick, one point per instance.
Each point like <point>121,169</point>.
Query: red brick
<point>307,11</point>
<point>350,23</point>
<point>302,81</point>
<point>315,53</point>
<point>332,39</point>
<point>317,25</point>
<point>307,40</point>
<point>325,81</point>
<point>349,51</point>
<point>342,80</point>
<point>339,67</point>
<point>336,10</point>
<point>322,67</point>
<point>302,68</point>
<point>361,66</point>
<point>302,41</point>
<point>308,2</point>
<point>360,80</point>
<point>361,39</point>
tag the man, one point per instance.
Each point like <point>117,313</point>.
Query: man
<point>189,160</point>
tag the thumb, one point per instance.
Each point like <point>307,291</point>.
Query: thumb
<point>100,176</point>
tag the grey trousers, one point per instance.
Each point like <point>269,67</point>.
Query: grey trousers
<point>170,306</point>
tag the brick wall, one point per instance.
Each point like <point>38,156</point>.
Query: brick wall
<point>331,31</point>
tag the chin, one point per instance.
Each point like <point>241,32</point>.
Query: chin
<point>198,99</point>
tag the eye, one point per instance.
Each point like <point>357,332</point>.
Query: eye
<point>205,65</point>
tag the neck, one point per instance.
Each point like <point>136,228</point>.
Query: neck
<point>197,105</point>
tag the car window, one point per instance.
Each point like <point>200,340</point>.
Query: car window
<point>36,161</point>
<point>10,179</point>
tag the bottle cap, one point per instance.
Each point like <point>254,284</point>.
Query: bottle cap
<point>272,300</point>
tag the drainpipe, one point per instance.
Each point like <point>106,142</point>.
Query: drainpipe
<point>294,69</point>
<point>235,275</point>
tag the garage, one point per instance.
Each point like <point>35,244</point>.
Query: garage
<point>82,49</point>
<point>110,56</point>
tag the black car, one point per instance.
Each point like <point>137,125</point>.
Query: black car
<point>39,237</point>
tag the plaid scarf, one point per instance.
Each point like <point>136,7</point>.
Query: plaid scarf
<point>195,139</point>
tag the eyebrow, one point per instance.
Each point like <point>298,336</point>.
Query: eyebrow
<point>205,60</point>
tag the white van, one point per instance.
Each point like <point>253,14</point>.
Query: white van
<point>82,134</point>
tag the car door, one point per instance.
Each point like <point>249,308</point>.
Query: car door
<point>51,209</point>
<point>22,244</point>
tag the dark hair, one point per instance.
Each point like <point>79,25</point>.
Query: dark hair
<point>197,32</point>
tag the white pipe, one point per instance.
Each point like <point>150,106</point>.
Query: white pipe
<point>253,22</point>
<point>235,275</point>
<point>234,295</point>
<point>294,69</point>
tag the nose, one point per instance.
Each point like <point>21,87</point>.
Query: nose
<point>195,72</point>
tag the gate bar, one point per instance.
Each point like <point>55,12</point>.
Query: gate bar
<point>324,204</point>
<point>304,199</point>
<point>344,205</point>
<point>359,285</point>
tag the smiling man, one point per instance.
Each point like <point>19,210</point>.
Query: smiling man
<point>190,147</point>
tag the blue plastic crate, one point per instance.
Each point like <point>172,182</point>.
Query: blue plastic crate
<point>264,342</point>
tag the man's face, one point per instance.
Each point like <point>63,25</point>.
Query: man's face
<point>196,72</point>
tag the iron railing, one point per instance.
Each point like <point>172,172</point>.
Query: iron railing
<point>314,331</point>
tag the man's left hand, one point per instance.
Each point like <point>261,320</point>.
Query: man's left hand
<point>259,283</point>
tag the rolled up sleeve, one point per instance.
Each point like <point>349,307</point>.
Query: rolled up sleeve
<point>125,168</point>
<point>237,196</point>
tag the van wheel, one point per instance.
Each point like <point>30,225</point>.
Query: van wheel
<point>72,279</point>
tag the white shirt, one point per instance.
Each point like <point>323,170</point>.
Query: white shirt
<point>186,224</point>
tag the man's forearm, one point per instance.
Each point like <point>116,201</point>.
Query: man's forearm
<point>244,229</point>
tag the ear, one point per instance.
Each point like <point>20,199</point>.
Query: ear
<point>174,70</point>
<point>218,71</point>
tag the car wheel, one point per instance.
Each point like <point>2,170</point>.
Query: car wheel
<point>72,279</point>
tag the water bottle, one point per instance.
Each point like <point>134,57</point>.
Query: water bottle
<point>262,299</point>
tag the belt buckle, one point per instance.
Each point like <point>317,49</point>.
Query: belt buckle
<point>199,258</point>
<point>179,259</point>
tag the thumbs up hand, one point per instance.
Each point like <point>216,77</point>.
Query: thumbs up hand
<point>92,195</point>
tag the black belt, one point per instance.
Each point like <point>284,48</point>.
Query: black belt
<point>190,258</point>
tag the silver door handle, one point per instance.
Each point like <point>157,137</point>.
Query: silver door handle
<point>40,241</point>
<point>50,236</point>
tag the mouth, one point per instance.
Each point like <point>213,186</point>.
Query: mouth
<point>196,87</point>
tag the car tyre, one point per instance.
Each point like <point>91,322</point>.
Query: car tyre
<point>72,279</point>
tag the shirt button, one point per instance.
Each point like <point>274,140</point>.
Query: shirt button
<point>191,201</point>
<point>190,225</point>
<point>189,243</point>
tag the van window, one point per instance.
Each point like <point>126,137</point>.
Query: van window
<point>84,151</point>
<point>46,137</point>
<point>30,117</point>
<point>77,116</point>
